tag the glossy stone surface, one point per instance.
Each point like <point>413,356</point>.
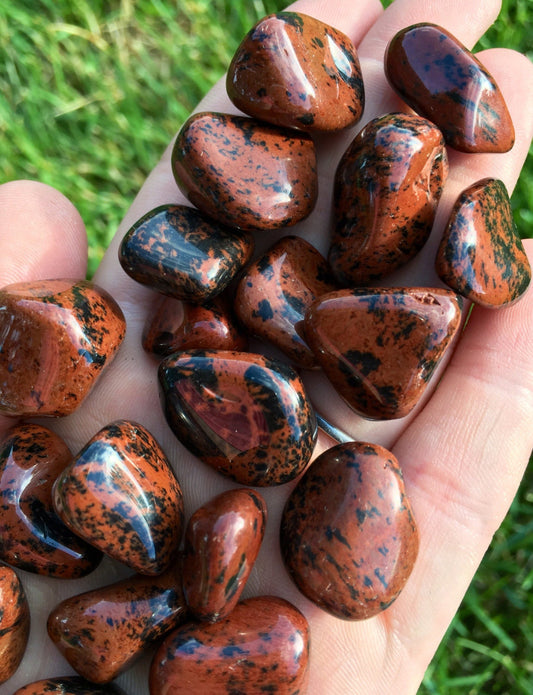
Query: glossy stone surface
<point>295,71</point>
<point>32,536</point>
<point>380,347</point>
<point>68,685</point>
<point>245,173</point>
<point>481,255</point>
<point>176,325</point>
<point>245,415</point>
<point>438,77</point>
<point>261,647</point>
<point>276,290</point>
<point>387,187</point>
<point>103,632</point>
<point>222,541</point>
<point>348,536</point>
<point>121,495</point>
<point>177,251</point>
<point>56,336</point>
<point>14,622</point>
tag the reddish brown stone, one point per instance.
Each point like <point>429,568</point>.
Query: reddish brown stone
<point>387,187</point>
<point>68,685</point>
<point>176,325</point>
<point>275,292</point>
<point>177,251</point>
<point>222,541</point>
<point>380,347</point>
<point>348,536</point>
<point>57,336</point>
<point>103,632</point>
<point>121,495</point>
<point>14,622</point>
<point>442,80</point>
<point>481,255</point>
<point>261,647</point>
<point>32,536</point>
<point>245,173</point>
<point>295,71</point>
<point>245,415</point>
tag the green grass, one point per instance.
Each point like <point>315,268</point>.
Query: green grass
<point>90,94</point>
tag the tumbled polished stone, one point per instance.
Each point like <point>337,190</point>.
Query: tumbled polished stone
<point>103,632</point>
<point>261,647</point>
<point>387,187</point>
<point>32,536</point>
<point>348,536</point>
<point>222,541</point>
<point>176,325</point>
<point>245,415</point>
<point>14,622</point>
<point>438,77</point>
<point>68,685</point>
<point>274,292</point>
<point>175,250</point>
<point>294,70</point>
<point>56,336</point>
<point>121,495</point>
<point>481,255</point>
<point>245,173</point>
<point>380,347</point>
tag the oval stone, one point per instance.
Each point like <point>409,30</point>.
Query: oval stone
<point>32,536</point>
<point>121,495</point>
<point>14,622</point>
<point>222,541</point>
<point>348,536</point>
<point>176,325</point>
<point>56,337</point>
<point>245,173</point>
<point>481,255</point>
<point>175,250</point>
<point>245,415</point>
<point>387,187</point>
<point>276,290</point>
<point>380,347</point>
<point>103,632</point>
<point>262,646</point>
<point>438,77</point>
<point>294,70</point>
<point>68,685</point>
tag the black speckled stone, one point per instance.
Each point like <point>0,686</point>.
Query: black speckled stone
<point>68,685</point>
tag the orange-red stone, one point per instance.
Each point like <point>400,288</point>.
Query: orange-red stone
<point>14,622</point>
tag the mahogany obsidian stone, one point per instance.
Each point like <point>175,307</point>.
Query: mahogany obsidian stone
<point>32,536</point>
<point>103,632</point>
<point>56,338</point>
<point>121,495</point>
<point>262,646</point>
<point>442,80</point>
<point>274,293</point>
<point>380,347</point>
<point>176,325</point>
<point>348,536</point>
<point>14,622</point>
<point>245,415</point>
<point>222,541</point>
<point>175,250</point>
<point>481,255</point>
<point>387,187</point>
<point>295,71</point>
<point>245,173</point>
<point>68,685</point>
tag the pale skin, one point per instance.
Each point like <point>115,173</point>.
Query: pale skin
<point>463,451</point>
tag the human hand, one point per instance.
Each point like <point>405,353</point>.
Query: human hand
<point>470,439</point>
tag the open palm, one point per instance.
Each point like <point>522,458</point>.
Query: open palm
<point>463,451</point>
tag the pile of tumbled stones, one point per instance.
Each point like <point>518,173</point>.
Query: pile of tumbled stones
<point>348,536</point>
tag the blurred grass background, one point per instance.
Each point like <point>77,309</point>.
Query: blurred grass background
<point>91,91</point>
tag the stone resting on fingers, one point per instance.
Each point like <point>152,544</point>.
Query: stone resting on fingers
<point>341,552</point>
